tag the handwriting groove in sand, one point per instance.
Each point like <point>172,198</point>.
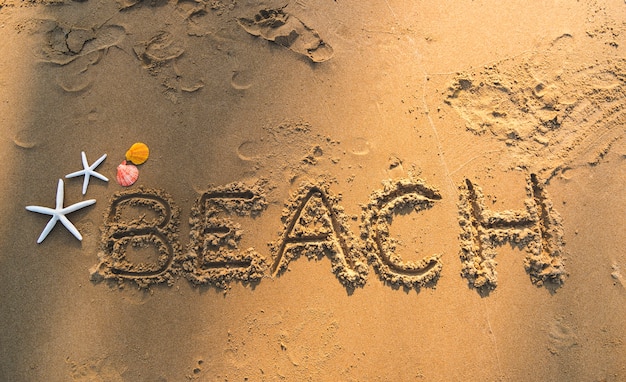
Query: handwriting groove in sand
<point>538,229</point>
<point>403,194</point>
<point>315,225</point>
<point>214,256</point>
<point>153,224</point>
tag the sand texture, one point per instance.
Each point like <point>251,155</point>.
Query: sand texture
<point>335,191</point>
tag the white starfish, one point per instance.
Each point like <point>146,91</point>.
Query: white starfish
<point>59,213</point>
<point>88,171</point>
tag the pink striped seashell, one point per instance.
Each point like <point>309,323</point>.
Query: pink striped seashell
<point>127,174</point>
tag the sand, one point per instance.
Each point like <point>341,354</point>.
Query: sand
<point>336,191</point>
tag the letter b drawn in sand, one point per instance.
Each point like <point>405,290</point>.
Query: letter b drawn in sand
<point>401,196</point>
<point>140,238</point>
<point>214,256</point>
<point>315,225</point>
<point>538,229</point>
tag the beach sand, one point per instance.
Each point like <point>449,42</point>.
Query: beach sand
<point>336,191</point>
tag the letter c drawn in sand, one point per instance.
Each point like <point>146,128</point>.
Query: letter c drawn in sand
<point>377,217</point>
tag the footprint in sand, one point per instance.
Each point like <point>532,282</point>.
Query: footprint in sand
<point>26,138</point>
<point>76,50</point>
<point>561,336</point>
<point>241,79</point>
<point>249,150</point>
<point>359,146</point>
<point>66,44</point>
<point>97,369</point>
<point>76,76</point>
<point>161,48</point>
<point>287,30</point>
<point>163,55</point>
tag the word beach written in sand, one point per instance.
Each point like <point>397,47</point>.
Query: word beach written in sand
<point>315,225</point>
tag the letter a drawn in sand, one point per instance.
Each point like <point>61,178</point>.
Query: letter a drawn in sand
<point>315,225</point>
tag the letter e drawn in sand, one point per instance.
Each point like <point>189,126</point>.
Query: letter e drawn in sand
<point>214,256</point>
<point>538,229</point>
<point>399,196</point>
<point>140,239</point>
<point>315,225</point>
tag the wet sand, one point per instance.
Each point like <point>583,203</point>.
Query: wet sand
<point>335,191</point>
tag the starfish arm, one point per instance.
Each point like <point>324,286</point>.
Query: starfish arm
<point>77,206</point>
<point>41,210</point>
<point>100,176</point>
<point>48,228</point>
<point>85,183</point>
<point>83,157</point>
<point>75,174</point>
<point>97,163</point>
<point>60,195</point>
<point>70,227</point>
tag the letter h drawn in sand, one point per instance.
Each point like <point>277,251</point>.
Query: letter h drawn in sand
<point>538,229</point>
<point>139,239</point>
<point>315,225</point>
<point>214,256</point>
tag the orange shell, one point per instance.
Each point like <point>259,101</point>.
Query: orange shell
<point>127,174</point>
<point>138,153</point>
